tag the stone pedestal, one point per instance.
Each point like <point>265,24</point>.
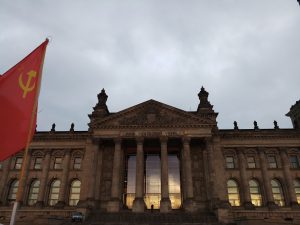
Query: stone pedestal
<point>249,205</point>
<point>189,205</point>
<point>138,205</point>
<point>114,205</point>
<point>165,205</point>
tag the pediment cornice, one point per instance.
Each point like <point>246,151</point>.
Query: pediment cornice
<point>152,114</point>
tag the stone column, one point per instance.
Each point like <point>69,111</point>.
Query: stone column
<point>189,203</point>
<point>266,180</point>
<point>89,171</point>
<point>3,181</point>
<point>244,181</point>
<point>165,203</point>
<point>114,204</point>
<point>139,203</point>
<point>64,181</point>
<point>218,182</point>
<point>44,180</point>
<point>288,178</point>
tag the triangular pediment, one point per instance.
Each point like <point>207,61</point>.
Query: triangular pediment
<point>153,114</point>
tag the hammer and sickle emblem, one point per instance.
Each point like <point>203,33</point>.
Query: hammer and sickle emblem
<point>27,88</point>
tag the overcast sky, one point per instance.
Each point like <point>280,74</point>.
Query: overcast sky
<point>245,53</point>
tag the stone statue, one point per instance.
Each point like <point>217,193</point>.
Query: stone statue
<point>275,125</point>
<point>72,127</point>
<point>53,127</point>
<point>255,125</point>
<point>235,125</point>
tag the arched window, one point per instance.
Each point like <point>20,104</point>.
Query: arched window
<point>74,192</point>
<point>54,192</point>
<point>12,193</point>
<point>255,193</point>
<point>33,192</point>
<point>233,193</point>
<point>277,192</point>
<point>297,189</point>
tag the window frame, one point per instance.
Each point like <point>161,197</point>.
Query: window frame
<point>271,164</point>
<point>18,165</point>
<point>228,163</point>
<point>35,163</point>
<point>234,202</point>
<point>74,201</point>
<point>52,201</point>
<point>254,162</point>
<point>33,190</point>
<point>258,194</point>
<point>55,164</point>
<point>75,163</point>
<point>294,165</point>
<point>279,201</point>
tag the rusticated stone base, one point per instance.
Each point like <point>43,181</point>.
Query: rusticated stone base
<point>138,205</point>
<point>165,205</point>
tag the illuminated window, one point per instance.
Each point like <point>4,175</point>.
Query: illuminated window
<point>294,161</point>
<point>272,161</point>
<point>12,193</point>
<point>18,163</point>
<point>33,192</point>
<point>130,181</point>
<point>58,163</point>
<point>297,190</point>
<point>153,181</point>
<point>54,192</point>
<point>277,193</point>
<point>174,181</point>
<point>77,163</point>
<point>38,163</point>
<point>74,193</point>
<point>230,162</point>
<point>255,194</point>
<point>251,162</point>
<point>233,193</point>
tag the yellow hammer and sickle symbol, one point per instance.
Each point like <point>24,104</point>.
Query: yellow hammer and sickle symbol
<point>27,88</point>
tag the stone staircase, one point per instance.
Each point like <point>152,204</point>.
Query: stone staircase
<point>152,218</point>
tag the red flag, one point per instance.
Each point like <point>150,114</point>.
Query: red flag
<point>19,89</point>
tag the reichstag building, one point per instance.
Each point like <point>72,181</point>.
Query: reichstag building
<point>153,158</point>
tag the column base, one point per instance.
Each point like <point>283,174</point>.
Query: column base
<point>165,205</point>
<point>272,205</point>
<point>88,203</point>
<point>249,205</point>
<point>60,205</point>
<point>294,205</point>
<point>113,205</point>
<point>138,205</point>
<point>189,205</point>
<point>39,204</point>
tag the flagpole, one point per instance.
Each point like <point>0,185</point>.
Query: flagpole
<point>22,176</point>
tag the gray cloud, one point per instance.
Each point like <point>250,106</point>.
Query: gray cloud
<point>245,53</point>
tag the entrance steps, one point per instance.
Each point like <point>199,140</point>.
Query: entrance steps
<point>152,218</point>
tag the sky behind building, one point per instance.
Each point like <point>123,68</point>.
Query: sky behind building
<point>245,53</point>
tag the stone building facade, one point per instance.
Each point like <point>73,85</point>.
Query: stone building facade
<point>153,156</point>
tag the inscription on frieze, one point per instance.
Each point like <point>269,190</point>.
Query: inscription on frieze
<point>152,134</point>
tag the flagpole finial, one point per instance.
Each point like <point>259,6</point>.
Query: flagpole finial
<point>49,39</point>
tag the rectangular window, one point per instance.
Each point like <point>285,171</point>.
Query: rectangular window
<point>77,163</point>
<point>38,163</point>
<point>58,163</point>
<point>294,161</point>
<point>18,163</point>
<point>272,161</point>
<point>251,162</point>
<point>230,162</point>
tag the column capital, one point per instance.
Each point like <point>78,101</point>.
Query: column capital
<point>186,140</point>
<point>118,140</point>
<point>139,140</point>
<point>163,139</point>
